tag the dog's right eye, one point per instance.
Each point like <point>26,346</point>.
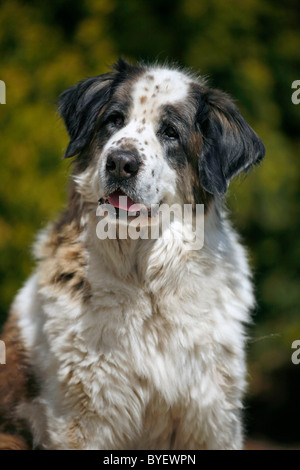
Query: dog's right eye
<point>116,119</point>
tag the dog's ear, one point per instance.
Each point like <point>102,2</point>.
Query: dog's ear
<point>79,107</point>
<point>230,145</point>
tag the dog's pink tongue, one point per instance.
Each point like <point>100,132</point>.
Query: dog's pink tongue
<point>120,200</point>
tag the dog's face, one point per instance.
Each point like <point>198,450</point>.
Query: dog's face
<point>156,135</point>
<point>145,150</point>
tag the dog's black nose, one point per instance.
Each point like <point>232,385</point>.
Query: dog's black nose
<point>122,164</point>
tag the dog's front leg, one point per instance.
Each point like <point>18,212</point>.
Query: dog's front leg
<point>210,428</point>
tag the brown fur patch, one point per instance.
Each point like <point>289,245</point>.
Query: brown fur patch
<point>62,255</point>
<point>194,193</point>
<point>63,268</point>
<point>75,434</point>
<point>9,442</point>
<point>18,385</point>
<point>143,99</point>
<point>191,189</point>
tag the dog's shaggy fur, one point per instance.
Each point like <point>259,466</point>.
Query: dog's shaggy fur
<point>136,344</point>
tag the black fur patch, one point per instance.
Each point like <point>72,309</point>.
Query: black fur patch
<point>65,277</point>
<point>230,145</point>
<point>80,105</point>
<point>176,149</point>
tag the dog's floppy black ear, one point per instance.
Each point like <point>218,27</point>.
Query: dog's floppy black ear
<point>230,145</point>
<point>79,107</point>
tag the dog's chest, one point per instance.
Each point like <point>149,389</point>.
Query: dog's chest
<point>153,338</point>
<point>132,352</point>
<point>130,359</point>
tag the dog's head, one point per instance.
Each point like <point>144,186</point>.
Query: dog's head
<point>155,134</point>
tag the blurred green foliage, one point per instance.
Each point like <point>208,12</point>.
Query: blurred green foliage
<point>250,49</point>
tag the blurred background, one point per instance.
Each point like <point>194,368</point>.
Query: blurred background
<point>251,50</point>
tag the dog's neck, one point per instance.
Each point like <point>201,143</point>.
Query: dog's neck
<point>124,258</point>
<point>140,261</point>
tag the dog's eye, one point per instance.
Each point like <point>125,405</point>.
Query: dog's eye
<point>170,133</point>
<point>117,119</point>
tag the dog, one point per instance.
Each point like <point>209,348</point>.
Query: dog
<point>123,343</point>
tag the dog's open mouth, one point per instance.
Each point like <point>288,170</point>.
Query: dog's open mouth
<point>120,201</point>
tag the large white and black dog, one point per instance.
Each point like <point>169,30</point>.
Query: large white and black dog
<point>136,343</point>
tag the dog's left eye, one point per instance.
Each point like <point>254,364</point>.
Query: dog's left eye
<point>117,119</point>
<point>170,133</point>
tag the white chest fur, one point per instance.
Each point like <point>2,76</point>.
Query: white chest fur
<point>149,351</point>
